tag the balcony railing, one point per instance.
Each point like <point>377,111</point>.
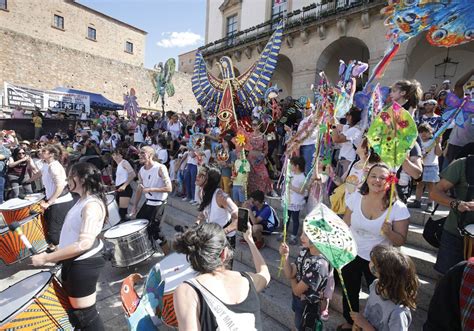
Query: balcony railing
<point>299,17</point>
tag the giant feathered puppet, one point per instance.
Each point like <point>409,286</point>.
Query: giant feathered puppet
<point>222,95</point>
<point>161,80</point>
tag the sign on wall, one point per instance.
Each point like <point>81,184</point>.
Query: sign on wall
<point>29,98</point>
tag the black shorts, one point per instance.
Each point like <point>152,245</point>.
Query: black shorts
<point>79,278</point>
<point>153,214</point>
<point>127,193</point>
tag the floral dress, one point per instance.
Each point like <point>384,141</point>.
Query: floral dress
<point>258,176</point>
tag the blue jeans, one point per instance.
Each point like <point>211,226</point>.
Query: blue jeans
<point>2,188</point>
<point>307,152</point>
<point>190,180</point>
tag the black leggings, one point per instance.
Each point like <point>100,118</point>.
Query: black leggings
<point>153,214</point>
<point>352,275</point>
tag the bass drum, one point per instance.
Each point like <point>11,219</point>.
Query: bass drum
<point>130,243</point>
<point>37,302</point>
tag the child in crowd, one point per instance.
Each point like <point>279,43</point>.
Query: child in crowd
<point>392,294</point>
<point>430,151</point>
<point>225,157</point>
<point>309,278</point>
<point>172,171</point>
<point>297,196</point>
<point>240,174</point>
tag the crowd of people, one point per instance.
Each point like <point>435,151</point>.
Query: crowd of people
<point>110,153</point>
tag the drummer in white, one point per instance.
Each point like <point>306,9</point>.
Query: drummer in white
<point>80,250</point>
<point>156,184</point>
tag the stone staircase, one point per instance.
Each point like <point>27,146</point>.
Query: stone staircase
<point>276,299</point>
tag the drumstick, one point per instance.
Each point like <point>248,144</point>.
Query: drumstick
<point>15,227</point>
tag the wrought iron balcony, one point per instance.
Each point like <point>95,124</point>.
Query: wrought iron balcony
<point>298,18</point>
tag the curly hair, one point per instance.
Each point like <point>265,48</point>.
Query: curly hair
<point>203,246</point>
<point>397,279</point>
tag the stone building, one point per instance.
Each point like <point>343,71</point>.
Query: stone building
<point>317,35</point>
<point>64,43</point>
<point>186,62</point>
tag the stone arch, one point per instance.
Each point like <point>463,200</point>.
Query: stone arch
<point>422,58</point>
<point>283,75</point>
<point>346,49</point>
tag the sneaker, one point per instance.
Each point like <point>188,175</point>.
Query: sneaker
<point>325,315</point>
<point>293,240</point>
<point>414,204</point>
<point>430,208</point>
<point>184,199</point>
<point>192,202</point>
<point>260,244</point>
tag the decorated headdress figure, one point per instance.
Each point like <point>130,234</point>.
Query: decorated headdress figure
<point>161,80</point>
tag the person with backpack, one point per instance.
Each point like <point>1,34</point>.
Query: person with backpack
<point>262,217</point>
<point>460,176</point>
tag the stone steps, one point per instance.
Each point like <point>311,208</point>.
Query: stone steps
<point>415,231</point>
<point>417,248</point>
<point>182,213</point>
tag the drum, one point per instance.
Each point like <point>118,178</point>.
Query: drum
<point>15,210</point>
<point>36,199</point>
<point>175,269</point>
<point>114,217</point>
<point>130,242</point>
<point>12,248</point>
<point>468,241</point>
<point>37,302</point>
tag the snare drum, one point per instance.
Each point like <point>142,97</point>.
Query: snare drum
<point>114,217</point>
<point>37,302</point>
<point>175,269</point>
<point>130,242</point>
<point>15,210</point>
<point>12,248</point>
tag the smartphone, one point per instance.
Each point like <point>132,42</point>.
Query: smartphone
<point>243,220</point>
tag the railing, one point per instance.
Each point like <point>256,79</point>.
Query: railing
<point>299,17</point>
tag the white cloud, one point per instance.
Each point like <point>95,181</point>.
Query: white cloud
<point>179,39</point>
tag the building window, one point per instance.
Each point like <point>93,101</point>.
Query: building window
<point>129,47</point>
<point>279,8</point>
<point>3,4</point>
<point>59,22</point>
<point>91,33</point>
<point>231,25</point>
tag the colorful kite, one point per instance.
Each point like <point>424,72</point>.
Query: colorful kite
<point>458,109</point>
<point>448,23</point>
<point>222,95</point>
<point>392,134</point>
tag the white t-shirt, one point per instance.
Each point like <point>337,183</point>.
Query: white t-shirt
<point>175,129</point>
<point>297,200</point>
<point>138,135</point>
<point>430,159</point>
<point>162,154</point>
<point>191,160</point>
<point>367,233</point>
<point>311,139</point>
<point>353,136</point>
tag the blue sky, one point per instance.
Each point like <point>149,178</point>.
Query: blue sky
<point>174,26</point>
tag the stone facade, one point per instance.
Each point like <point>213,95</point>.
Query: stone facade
<point>45,65</point>
<point>186,62</point>
<point>356,32</point>
<point>36,19</point>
